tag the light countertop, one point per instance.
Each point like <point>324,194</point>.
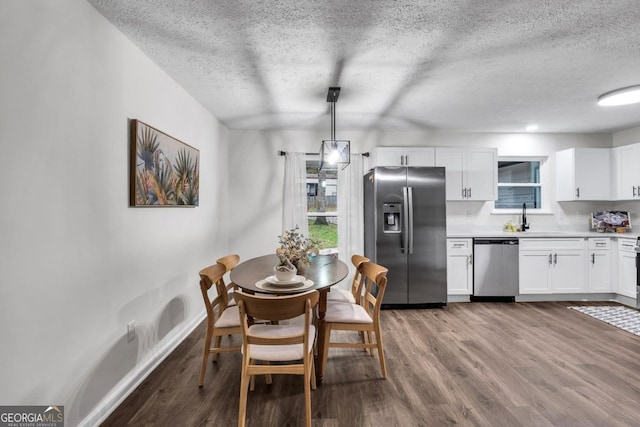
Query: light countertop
<point>452,234</point>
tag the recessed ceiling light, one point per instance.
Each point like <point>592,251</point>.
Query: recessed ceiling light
<point>624,96</point>
<point>531,128</point>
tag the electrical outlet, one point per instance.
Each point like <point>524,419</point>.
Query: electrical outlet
<point>131,331</point>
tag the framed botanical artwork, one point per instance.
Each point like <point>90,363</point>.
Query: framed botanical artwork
<point>163,170</point>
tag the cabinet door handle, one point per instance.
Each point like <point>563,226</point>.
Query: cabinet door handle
<point>406,160</point>
<point>593,258</point>
<point>555,259</point>
<point>550,260</point>
<point>577,192</point>
<point>470,260</point>
<point>469,193</point>
<point>464,193</point>
<point>634,191</point>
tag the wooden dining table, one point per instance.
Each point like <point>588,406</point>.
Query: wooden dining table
<point>324,270</point>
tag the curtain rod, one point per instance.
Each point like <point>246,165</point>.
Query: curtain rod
<point>284,153</point>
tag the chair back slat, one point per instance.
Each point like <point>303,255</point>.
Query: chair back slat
<point>276,308</point>
<point>287,340</point>
<point>374,280</point>
<point>208,277</point>
<point>356,284</point>
<point>229,261</point>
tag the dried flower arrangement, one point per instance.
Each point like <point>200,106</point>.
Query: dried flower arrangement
<point>295,249</point>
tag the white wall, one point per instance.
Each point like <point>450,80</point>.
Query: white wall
<point>253,155</point>
<point>76,263</point>
<point>626,137</point>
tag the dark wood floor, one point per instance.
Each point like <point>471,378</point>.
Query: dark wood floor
<point>477,364</point>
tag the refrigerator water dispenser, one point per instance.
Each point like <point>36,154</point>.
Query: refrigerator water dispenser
<point>391,213</point>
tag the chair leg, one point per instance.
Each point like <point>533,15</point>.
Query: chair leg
<point>307,395</point>
<point>242,410</point>
<point>216,344</point>
<point>383,365</point>
<point>252,378</point>
<point>267,377</point>
<point>370,339</point>
<point>327,340</point>
<point>205,357</point>
<point>313,374</point>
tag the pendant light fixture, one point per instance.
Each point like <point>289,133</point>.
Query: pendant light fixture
<point>624,96</point>
<point>334,152</point>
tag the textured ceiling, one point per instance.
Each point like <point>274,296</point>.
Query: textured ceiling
<point>474,65</point>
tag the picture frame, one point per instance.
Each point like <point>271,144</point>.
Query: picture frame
<point>163,171</point>
<point>610,220</point>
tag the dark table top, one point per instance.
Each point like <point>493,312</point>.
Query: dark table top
<point>324,270</point>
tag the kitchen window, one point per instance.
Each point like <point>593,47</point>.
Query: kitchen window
<point>519,182</point>
<point>322,206</point>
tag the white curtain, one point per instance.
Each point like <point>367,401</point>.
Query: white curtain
<point>351,213</point>
<point>294,206</point>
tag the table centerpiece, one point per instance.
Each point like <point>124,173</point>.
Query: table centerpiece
<point>294,254</point>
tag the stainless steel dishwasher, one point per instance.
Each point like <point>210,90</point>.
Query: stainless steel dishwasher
<point>495,269</point>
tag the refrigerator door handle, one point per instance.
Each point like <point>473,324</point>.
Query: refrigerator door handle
<point>405,220</point>
<point>410,217</point>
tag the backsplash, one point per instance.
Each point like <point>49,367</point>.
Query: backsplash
<point>574,216</point>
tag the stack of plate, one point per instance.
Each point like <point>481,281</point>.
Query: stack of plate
<point>293,283</point>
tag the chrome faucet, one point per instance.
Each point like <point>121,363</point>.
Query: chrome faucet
<point>525,225</point>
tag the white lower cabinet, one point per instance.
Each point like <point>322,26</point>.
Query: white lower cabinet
<point>626,268</point>
<point>599,273</point>
<point>550,266</point>
<point>459,266</point>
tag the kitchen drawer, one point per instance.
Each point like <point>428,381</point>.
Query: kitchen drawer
<point>545,244</point>
<point>626,245</point>
<point>459,245</point>
<point>599,243</point>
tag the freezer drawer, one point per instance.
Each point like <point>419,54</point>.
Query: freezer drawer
<point>495,268</point>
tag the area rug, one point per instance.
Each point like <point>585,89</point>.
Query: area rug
<point>621,317</point>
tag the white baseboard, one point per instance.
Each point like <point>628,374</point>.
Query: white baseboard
<point>458,298</point>
<point>128,384</point>
<point>565,297</point>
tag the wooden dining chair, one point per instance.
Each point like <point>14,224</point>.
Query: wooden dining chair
<point>354,295</point>
<point>229,262</point>
<point>363,318</point>
<point>222,319</point>
<point>282,348</point>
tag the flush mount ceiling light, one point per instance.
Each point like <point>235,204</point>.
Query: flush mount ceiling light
<point>624,96</point>
<point>334,152</point>
<point>532,128</point>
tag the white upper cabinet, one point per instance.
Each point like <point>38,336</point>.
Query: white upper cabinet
<point>405,156</point>
<point>471,173</point>
<point>626,172</point>
<point>583,174</point>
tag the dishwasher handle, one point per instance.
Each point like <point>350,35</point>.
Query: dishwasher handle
<point>511,242</point>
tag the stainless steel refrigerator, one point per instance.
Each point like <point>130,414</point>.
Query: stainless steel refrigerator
<point>405,231</point>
